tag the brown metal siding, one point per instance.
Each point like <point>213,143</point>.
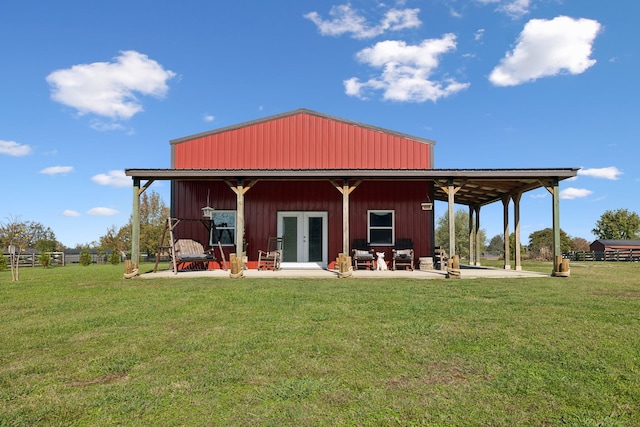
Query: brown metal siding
<point>302,141</point>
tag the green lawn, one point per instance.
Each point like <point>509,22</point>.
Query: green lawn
<point>83,346</point>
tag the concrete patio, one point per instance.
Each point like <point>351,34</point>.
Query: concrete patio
<point>466,272</point>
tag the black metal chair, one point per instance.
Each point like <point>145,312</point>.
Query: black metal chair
<point>362,254</point>
<point>403,254</point>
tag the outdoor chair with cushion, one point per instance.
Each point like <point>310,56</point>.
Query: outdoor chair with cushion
<point>362,254</point>
<point>403,254</point>
<point>189,254</point>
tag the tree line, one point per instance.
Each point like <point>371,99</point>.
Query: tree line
<point>620,224</point>
<point>23,234</point>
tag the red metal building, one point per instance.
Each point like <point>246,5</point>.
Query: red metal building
<point>307,210</point>
<point>322,182</point>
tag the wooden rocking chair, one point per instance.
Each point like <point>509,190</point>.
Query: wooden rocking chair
<point>271,258</point>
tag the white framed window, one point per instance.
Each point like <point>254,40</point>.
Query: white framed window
<point>381,227</point>
<point>223,229</point>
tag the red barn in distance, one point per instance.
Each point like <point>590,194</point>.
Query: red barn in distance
<point>323,182</point>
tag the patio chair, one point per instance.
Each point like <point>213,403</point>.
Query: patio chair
<point>189,254</point>
<point>271,258</point>
<point>403,254</point>
<point>362,254</point>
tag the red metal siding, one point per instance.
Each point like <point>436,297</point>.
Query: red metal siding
<point>266,198</point>
<point>405,199</point>
<point>302,141</point>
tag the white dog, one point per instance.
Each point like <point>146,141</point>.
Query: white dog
<point>381,264</point>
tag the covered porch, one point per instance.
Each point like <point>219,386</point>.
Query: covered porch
<point>474,188</point>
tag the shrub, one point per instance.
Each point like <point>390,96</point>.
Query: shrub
<point>45,260</point>
<point>3,263</point>
<point>114,258</point>
<point>85,257</point>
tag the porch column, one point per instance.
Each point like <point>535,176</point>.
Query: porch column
<point>239,218</point>
<point>507,250</point>
<point>240,189</point>
<point>345,189</point>
<point>516,218</point>
<point>478,236</point>
<point>555,195</point>
<point>472,236</point>
<point>451,192</point>
<point>135,223</point>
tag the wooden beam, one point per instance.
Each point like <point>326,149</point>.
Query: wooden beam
<point>146,185</point>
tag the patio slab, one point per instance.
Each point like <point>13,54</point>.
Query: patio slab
<point>466,272</point>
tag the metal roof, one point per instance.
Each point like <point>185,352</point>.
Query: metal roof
<point>477,186</point>
<point>296,112</point>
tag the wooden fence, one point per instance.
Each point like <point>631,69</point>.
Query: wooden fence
<point>632,255</point>
<point>31,259</point>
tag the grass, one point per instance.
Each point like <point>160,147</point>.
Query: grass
<point>83,346</point>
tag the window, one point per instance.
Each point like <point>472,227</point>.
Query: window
<point>380,226</point>
<point>224,228</point>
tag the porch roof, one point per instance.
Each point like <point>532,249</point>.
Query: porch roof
<point>477,187</point>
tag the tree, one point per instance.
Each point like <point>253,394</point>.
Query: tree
<point>541,244</point>
<point>579,244</point>
<point>153,216</point>
<point>17,235</point>
<point>496,245</point>
<point>618,224</point>
<point>31,234</point>
<point>461,222</point>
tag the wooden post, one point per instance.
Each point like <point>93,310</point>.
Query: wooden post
<point>516,218</point>
<point>135,222</point>
<point>507,249</point>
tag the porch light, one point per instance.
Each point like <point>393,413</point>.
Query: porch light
<point>208,211</point>
<point>428,205</point>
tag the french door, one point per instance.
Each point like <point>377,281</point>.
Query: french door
<point>305,239</point>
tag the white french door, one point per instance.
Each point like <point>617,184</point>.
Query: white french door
<point>305,239</point>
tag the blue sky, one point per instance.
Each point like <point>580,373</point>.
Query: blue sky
<point>88,89</point>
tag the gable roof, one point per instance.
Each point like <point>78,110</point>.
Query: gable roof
<point>301,139</point>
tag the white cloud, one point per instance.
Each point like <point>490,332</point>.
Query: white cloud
<point>114,178</point>
<point>514,8</point>
<point>547,48</point>
<point>70,213</point>
<point>101,126</point>
<point>574,193</point>
<point>100,211</point>
<point>208,118</point>
<point>479,34</point>
<point>12,148</point>
<point>406,71</point>
<point>57,170</point>
<point>346,20</point>
<point>109,88</point>
<point>611,172</point>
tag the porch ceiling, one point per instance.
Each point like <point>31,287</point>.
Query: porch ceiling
<point>477,187</point>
